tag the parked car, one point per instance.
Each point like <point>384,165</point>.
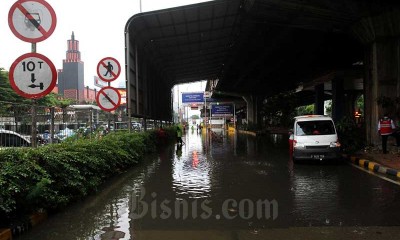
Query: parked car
<point>314,137</point>
<point>136,126</point>
<point>65,133</point>
<point>13,139</point>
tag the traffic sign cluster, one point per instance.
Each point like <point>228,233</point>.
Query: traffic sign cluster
<point>32,75</point>
<point>108,70</point>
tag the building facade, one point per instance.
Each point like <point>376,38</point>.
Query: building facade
<point>71,78</point>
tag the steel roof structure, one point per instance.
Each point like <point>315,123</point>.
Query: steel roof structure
<point>257,47</point>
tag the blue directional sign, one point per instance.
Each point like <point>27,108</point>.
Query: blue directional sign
<point>194,97</point>
<point>222,110</point>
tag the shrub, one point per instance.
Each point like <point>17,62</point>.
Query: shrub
<point>52,176</point>
<point>350,136</point>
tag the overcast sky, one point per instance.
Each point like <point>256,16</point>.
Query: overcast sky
<point>98,26</point>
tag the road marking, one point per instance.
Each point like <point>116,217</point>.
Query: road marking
<point>376,175</point>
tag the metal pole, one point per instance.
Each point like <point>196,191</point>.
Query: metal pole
<point>205,113</point>
<point>34,102</point>
<point>52,124</point>
<point>91,122</point>
<point>187,115</point>
<point>128,81</point>
<point>109,116</point>
<point>34,124</point>
<point>234,117</point>
<point>209,119</point>
<point>179,109</point>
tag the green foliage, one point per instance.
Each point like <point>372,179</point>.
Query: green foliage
<point>280,109</point>
<point>350,136</point>
<point>52,176</point>
<point>328,107</point>
<point>8,95</point>
<point>305,110</point>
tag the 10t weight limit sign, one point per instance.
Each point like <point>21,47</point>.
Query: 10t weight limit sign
<point>33,75</point>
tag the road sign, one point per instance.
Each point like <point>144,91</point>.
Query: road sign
<point>108,69</point>
<point>222,110</point>
<point>108,98</point>
<point>194,97</point>
<point>207,94</point>
<point>33,75</point>
<point>32,20</point>
<point>99,83</point>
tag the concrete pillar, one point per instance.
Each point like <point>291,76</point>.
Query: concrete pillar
<point>319,99</point>
<point>254,104</point>
<point>338,98</point>
<point>380,36</point>
<point>381,80</point>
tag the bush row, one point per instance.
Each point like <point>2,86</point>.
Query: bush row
<point>52,176</point>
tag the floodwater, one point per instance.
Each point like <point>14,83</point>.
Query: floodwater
<point>224,187</point>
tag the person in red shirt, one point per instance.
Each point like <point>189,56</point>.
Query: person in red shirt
<point>387,128</point>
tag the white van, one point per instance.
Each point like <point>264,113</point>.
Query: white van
<point>314,137</point>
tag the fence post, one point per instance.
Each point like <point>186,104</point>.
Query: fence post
<point>34,125</point>
<point>52,124</point>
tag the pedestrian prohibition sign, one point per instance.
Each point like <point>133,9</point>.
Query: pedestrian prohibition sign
<point>33,75</point>
<point>108,98</point>
<point>108,69</point>
<point>32,20</point>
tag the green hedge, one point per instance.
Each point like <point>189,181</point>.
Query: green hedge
<point>52,176</point>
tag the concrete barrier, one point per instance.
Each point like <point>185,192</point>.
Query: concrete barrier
<point>373,166</point>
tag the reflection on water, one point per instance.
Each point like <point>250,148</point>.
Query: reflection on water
<point>191,170</point>
<point>217,168</point>
<point>315,196</point>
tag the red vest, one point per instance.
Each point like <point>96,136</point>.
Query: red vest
<point>386,126</point>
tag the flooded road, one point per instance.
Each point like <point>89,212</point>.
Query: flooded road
<point>231,187</point>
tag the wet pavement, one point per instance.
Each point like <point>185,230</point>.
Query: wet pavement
<point>232,187</point>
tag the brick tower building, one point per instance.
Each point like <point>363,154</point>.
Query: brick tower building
<point>71,77</point>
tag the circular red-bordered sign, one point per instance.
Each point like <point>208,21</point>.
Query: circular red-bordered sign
<point>108,69</point>
<point>33,75</point>
<point>32,20</point>
<point>108,98</point>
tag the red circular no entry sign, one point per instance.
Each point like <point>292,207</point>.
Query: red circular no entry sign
<point>32,20</point>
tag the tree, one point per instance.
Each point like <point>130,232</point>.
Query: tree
<point>305,110</point>
<point>7,93</point>
<point>279,109</point>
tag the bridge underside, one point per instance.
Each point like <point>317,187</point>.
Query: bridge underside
<point>263,47</point>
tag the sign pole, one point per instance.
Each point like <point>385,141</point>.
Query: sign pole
<point>205,113</point>
<point>234,116</point>
<point>109,115</point>
<point>209,118</point>
<point>34,102</point>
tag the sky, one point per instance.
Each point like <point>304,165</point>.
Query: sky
<point>98,26</point>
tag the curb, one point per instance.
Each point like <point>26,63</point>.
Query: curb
<point>372,166</point>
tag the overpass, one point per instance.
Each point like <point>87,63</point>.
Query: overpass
<point>257,48</point>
